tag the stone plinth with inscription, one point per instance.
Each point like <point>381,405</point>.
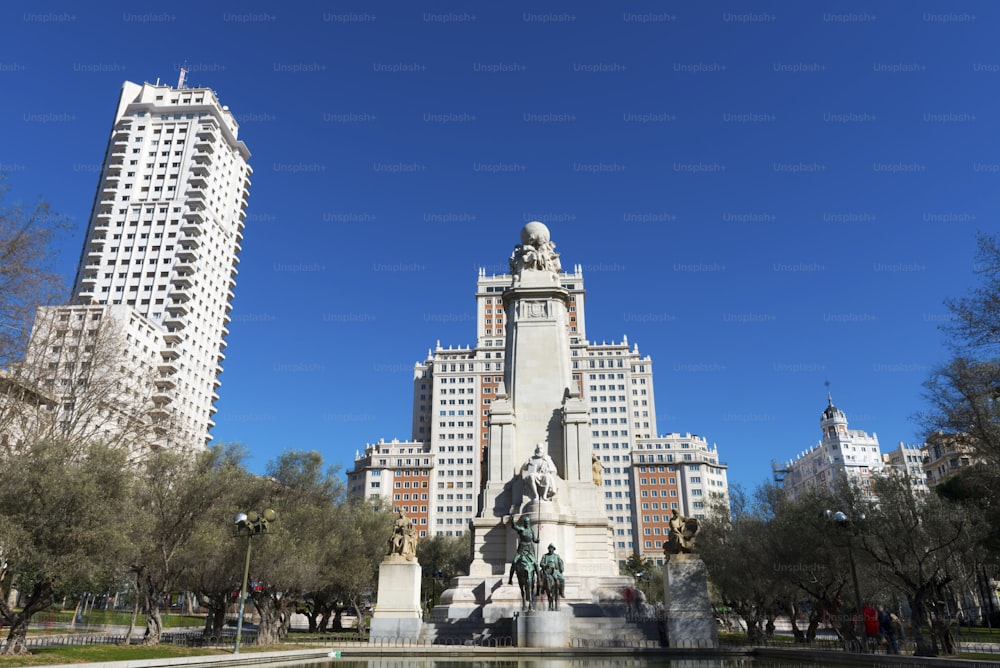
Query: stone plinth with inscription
<point>397,610</point>
<point>690,622</point>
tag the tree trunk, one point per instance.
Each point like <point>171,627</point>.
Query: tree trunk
<point>796,631</point>
<point>268,629</point>
<point>219,622</point>
<point>16,639</point>
<point>918,614</point>
<point>127,640</point>
<point>154,625</point>
<point>41,597</point>
<point>76,614</point>
<point>338,620</point>
<point>814,618</point>
<point>284,621</point>
<point>360,617</point>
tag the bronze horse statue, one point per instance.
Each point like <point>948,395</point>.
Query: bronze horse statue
<point>526,581</point>
<point>551,586</point>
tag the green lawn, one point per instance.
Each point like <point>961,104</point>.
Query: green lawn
<point>93,653</point>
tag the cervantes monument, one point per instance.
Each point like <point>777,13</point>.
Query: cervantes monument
<point>538,421</point>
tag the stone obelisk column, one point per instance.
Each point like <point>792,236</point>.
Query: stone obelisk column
<point>538,421</point>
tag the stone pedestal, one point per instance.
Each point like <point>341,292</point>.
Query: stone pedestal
<point>542,628</point>
<point>690,622</point>
<point>397,611</point>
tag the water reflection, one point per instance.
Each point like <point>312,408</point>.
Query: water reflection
<point>558,662</point>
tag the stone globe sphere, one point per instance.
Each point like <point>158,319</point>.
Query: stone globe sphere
<point>534,233</point>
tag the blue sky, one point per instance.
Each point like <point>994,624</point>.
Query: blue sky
<point>764,196</point>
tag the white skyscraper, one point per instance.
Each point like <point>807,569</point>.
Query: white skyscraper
<point>162,247</point>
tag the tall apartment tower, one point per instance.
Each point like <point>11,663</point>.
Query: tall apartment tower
<point>163,242</point>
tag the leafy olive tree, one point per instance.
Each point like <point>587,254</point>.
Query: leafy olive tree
<point>289,563</point>
<point>441,559</point>
<point>62,510</point>
<point>211,561</point>
<point>175,491</point>
<point>733,545</point>
<point>357,549</point>
<point>917,542</point>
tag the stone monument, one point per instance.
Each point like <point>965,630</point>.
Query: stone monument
<point>690,622</point>
<point>397,609</point>
<point>539,463</point>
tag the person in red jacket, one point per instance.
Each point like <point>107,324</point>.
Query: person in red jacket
<point>871,621</point>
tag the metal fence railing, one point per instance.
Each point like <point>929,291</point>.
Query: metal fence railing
<point>181,638</point>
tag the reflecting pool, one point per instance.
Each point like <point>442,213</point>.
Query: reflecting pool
<point>607,661</point>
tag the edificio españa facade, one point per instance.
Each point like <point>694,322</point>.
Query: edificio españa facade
<point>436,477</point>
<point>160,257</point>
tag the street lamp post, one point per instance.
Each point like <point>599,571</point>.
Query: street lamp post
<point>249,524</point>
<point>844,522</point>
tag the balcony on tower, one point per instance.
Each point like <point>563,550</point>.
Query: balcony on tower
<point>203,147</point>
<point>108,194</point>
<point>173,336</point>
<point>203,157</point>
<point>190,240</point>
<point>187,253</point>
<point>165,381</point>
<point>167,367</point>
<point>195,194</point>
<point>180,308</point>
<point>182,280</point>
<point>195,215</point>
<point>180,295</point>
<point>189,228</point>
<point>207,129</point>
<point>174,321</point>
<point>161,402</point>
